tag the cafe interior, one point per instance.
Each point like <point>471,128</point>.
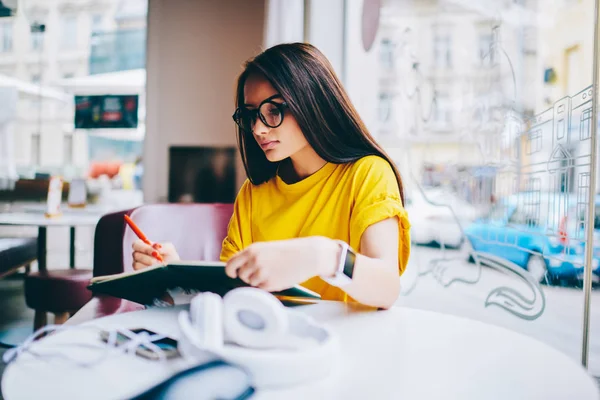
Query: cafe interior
<point>116,126</point>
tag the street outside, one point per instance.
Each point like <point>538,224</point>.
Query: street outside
<point>559,324</point>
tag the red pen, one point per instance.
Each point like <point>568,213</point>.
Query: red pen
<point>143,237</point>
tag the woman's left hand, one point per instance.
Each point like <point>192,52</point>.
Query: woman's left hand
<point>279,265</point>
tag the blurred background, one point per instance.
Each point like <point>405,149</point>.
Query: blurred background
<point>485,105</point>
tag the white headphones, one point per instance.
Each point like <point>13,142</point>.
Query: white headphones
<point>251,328</point>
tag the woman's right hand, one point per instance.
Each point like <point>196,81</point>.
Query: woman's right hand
<point>144,255</point>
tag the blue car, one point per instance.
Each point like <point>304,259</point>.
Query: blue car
<point>540,232</point>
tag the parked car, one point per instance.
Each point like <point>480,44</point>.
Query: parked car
<point>542,233</point>
<point>437,215</point>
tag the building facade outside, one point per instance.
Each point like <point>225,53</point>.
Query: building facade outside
<point>560,134</point>
<point>47,43</point>
<point>455,88</point>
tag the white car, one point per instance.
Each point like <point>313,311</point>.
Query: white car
<point>437,215</point>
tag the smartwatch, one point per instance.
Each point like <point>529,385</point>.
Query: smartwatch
<point>345,269</point>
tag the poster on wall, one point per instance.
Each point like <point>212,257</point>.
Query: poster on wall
<point>106,111</point>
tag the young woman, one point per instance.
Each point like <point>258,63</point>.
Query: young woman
<point>323,204</point>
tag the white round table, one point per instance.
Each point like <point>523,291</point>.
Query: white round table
<point>397,354</point>
<point>69,218</point>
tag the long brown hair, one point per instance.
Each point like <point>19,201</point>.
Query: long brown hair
<point>318,102</point>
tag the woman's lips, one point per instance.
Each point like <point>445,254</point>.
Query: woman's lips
<point>269,145</point>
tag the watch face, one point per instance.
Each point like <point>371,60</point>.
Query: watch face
<point>349,263</point>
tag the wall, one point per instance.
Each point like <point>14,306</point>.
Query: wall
<point>195,52</point>
<point>361,67</point>
<point>326,31</point>
<point>284,21</point>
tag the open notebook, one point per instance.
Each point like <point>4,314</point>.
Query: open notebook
<point>145,285</point>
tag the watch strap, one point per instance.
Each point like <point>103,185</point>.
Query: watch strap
<point>345,268</point>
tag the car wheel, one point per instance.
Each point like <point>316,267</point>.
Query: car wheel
<point>466,250</point>
<point>536,265</point>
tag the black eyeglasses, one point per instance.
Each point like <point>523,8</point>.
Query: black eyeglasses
<point>269,111</point>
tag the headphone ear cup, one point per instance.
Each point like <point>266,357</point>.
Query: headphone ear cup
<point>315,350</point>
<point>254,318</point>
<point>206,313</point>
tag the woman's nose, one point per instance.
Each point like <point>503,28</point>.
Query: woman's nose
<point>260,128</point>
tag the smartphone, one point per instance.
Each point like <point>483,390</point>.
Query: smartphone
<point>167,344</point>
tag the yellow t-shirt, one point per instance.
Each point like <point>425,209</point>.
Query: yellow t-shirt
<point>339,201</point>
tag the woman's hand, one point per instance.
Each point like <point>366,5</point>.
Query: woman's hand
<point>145,255</point>
<point>279,265</point>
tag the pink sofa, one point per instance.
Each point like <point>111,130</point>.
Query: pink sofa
<point>196,230</point>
